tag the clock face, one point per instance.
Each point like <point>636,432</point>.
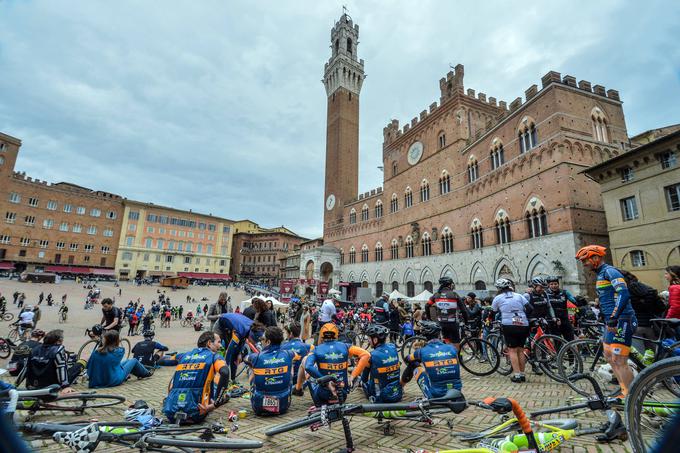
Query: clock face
<point>415,152</point>
<point>330,202</point>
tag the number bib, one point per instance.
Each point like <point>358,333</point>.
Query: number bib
<point>270,404</point>
<point>517,320</point>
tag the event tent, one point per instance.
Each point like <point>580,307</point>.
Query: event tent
<point>397,295</point>
<point>422,297</point>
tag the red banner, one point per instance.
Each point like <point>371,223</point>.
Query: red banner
<point>286,286</point>
<point>323,288</point>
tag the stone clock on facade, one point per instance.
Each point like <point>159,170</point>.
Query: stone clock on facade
<point>330,202</point>
<point>415,152</point>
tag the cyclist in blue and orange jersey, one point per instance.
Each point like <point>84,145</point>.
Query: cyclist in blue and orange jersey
<point>234,329</point>
<point>199,383</point>
<point>435,364</point>
<point>295,344</point>
<point>330,357</point>
<point>617,311</point>
<point>380,380</point>
<point>272,376</point>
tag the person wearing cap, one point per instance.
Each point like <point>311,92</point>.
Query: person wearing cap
<point>332,356</point>
<point>145,351</point>
<point>48,364</point>
<point>616,310</point>
<point>23,351</point>
<point>380,379</point>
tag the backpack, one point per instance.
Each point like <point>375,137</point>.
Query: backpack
<point>42,369</point>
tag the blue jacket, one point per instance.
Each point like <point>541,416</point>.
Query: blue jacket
<point>613,293</point>
<point>236,323</point>
<point>272,377</point>
<point>300,348</point>
<point>440,361</point>
<point>105,370</point>
<point>383,374</point>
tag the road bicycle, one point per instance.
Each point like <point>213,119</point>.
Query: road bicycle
<point>540,350</point>
<point>16,332</point>
<point>476,356</point>
<point>88,348</point>
<point>5,315</point>
<point>6,347</point>
<point>651,404</point>
<point>63,316</point>
<point>587,356</point>
<point>49,399</point>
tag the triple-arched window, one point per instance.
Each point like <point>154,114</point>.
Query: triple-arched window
<point>424,191</point>
<point>473,169</point>
<point>394,250</point>
<point>527,134</point>
<point>536,218</point>
<point>378,209</point>
<point>364,213</point>
<point>409,247</point>
<point>444,183</point>
<point>353,216</point>
<point>378,252</point>
<point>447,240</point>
<point>497,154</point>
<point>476,234</point>
<point>426,243</point>
<point>364,253</point>
<point>408,198</point>
<point>394,203</point>
<point>502,225</point>
<point>599,125</point>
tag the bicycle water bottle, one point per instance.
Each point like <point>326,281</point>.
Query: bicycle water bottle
<point>635,353</point>
<point>648,358</point>
<point>499,445</point>
<point>542,439</point>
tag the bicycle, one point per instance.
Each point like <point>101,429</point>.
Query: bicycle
<point>63,316</point>
<point>587,356</point>
<point>652,402</point>
<point>6,347</point>
<point>540,350</point>
<point>88,348</point>
<point>16,332</point>
<point>473,351</point>
<point>49,399</point>
<point>5,315</point>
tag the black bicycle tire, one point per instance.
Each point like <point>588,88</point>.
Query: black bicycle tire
<point>128,350</point>
<point>13,335</point>
<point>497,341</point>
<point>228,444</point>
<point>5,348</point>
<point>581,368</point>
<point>632,410</point>
<point>7,317</point>
<point>547,370</point>
<point>295,424</point>
<point>22,375</point>
<point>413,339</point>
<point>112,401</point>
<point>88,342</point>
<point>489,347</point>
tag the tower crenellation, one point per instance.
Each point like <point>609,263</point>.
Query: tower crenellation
<point>344,68</point>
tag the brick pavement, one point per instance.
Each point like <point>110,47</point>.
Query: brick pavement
<point>538,392</point>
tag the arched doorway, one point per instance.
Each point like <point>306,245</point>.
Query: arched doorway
<point>326,271</point>
<point>395,286</point>
<point>309,270</point>
<point>410,289</point>
<point>364,284</point>
<point>428,286</point>
<point>480,285</point>
<point>378,289</point>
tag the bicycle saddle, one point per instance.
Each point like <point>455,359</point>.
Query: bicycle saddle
<point>672,322</point>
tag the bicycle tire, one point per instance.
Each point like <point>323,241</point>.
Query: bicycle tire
<point>498,342</point>
<point>22,375</point>
<point>13,335</point>
<point>87,348</point>
<point>7,316</point>
<point>585,356</point>
<point>635,416</point>
<point>125,344</point>
<point>545,351</point>
<point>227,444</point>
<point>295,424</point>
<point>411,345</point>
<point>93,401</point>
<point>5,349</point>
<point>473,350</point>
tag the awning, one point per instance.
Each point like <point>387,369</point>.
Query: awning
<point>6,265</point>
<point>102,271</point>
<point>204,276</point>
<point>68,269</point>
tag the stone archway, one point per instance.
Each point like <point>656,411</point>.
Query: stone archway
<point>326,271</point>
<point>309,270</point>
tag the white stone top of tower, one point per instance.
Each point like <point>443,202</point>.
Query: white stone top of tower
<point>344,69</point>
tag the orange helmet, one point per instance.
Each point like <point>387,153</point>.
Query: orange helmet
<point>589,251</point>
<point>329,331</point>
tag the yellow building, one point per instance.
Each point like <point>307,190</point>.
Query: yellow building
<point>158,241</point>
<point>641,194</point>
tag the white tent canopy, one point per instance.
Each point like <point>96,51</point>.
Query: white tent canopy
<point>422,297</point>
<point>397,295</point>
<point>246,303</point>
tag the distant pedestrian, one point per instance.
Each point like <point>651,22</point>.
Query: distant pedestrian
<point>22,298</point>
<point>41,297</point>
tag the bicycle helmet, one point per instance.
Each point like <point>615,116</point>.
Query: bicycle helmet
<point>97,330</point>
<point>329,331</point>
<point>539,281</point>
<point>589,251</point>
<point>552,278</point>
<point>446,281</point>
<point>430,329</point>
<point>38,333</point>
<point>377,331</point>
<point>139,404</point>
<point>132,415</point>
<point>504,283</point>
<point>148,334</point>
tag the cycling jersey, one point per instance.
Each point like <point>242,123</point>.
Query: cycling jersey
<point>234,329</point>
<point>613,293</point>
<point>380,380</point>
<point>558,301</point>
<point>437,368</point>
<point>540,304</point>
<point>144,351</point>
<point>271,380</point>
<point>193,383</point>
<point>301,349</point>
<point>381,311</point>
<point>445,306</point>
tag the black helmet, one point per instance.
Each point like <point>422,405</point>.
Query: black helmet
<point>148,334</point>
<point>378,331</point>
<point>430,329</point>
<point>552,278</point>
<point>139,404</point>
<point>446,281</point>
<point>504,283</point>
<point>97,330</point>
<point>539,281</point>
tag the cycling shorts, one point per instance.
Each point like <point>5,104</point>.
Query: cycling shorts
<point>619,341</point>
<point>515,336</point>
<point>451,331</point>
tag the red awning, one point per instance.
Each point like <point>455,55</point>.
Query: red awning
<point>204,276</point>
<point>68,269</point>
<point>101,271</point>
<point>6,265</point>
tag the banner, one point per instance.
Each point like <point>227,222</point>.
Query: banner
<point>323,288</point>
<point>286,286</point>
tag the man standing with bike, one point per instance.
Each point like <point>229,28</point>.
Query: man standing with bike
<point>617,311</point>
<point>446,308</point>
<point>380,379</point>
<point>559,298</point>
<point>111,316</point>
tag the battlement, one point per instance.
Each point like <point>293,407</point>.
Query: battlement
<point>363,196</point>
<point>21,176</point>
<point>345,20</point>
<point>452,83</point>
<point>64,186</point>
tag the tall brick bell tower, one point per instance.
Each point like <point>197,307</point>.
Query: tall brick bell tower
<point>343,77</point>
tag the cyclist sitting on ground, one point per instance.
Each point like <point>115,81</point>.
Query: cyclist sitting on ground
<point>514,324</point>
<point>145,351</point>
<point>106,367</point>
<point>295,344</point>
<point>199,384</point>
<point>559,300</point>
<point>446,308</point>
<point>111,316</point>
<point>617,312</point>
<point>271,379</point>
<point>330,357</point>
<point>380,380</point>
<point>234,329</point>
<point>435,364</point>
<point>48,364</point>
<point>23,351</point>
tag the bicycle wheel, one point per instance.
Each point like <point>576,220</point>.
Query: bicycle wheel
<point>79,403</point>
<point>545,351</point>
<point>411,345</point>
<point>295,424</point>
<point>5,349</point>
<point>7,316</point>
<point>196,443</point>
<point>586,356</point>
<point>650,389</point>
<point>14,335</point>
<point>498,343</point>
<point>478,357</point>
<point>125,344</point>
<point>87,349</point>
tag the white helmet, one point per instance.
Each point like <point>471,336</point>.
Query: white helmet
<point>504,283</point>
<point>131,415</point>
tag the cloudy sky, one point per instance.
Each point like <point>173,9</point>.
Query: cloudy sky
<point>217,106</point>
